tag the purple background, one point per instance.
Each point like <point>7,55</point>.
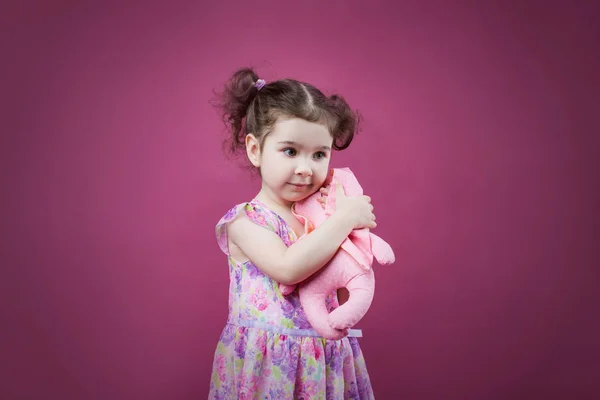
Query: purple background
<point>479,147</point>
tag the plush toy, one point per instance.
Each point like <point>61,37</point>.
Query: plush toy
<point>350,267</point>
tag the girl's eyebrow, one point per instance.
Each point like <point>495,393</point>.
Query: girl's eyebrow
<point>289,142</point>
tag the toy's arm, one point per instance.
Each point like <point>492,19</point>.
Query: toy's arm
<point>286,289</point>
<point>382,250</point>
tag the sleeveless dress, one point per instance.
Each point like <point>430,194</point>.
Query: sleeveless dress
<point>268,349</point>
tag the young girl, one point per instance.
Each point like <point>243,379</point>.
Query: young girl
<point>268,349</point>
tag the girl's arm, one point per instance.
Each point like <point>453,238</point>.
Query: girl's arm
<point>290,265</point>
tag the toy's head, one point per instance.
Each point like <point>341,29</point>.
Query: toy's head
<point>311,208</point>
<point>361,244</point>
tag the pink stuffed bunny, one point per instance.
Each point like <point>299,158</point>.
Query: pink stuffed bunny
<point>350,267</point>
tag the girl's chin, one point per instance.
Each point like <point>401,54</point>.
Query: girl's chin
<point>298,196</point>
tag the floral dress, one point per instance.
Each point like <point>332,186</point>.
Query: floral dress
<point>268,349</point>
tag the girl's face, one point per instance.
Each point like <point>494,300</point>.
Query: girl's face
<point>294,161</point>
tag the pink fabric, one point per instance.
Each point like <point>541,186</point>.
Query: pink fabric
<point>350,267</point>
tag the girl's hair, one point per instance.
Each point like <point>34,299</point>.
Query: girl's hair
<point>247,108</point>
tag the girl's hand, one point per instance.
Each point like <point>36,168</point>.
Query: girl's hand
<point>323,199</point>
<point>359,208</point>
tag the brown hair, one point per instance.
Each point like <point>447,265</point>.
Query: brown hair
<point>246,109</point>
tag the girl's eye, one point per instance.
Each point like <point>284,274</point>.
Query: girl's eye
<point>320,155</point>
<point>289,152</point>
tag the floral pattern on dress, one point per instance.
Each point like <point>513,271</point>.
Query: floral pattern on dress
<point>256,363</point>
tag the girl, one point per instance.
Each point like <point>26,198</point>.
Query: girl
<point>267,349</point>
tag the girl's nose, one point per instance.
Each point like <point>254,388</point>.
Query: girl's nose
<point>303,170</point>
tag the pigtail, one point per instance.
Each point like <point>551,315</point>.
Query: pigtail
<point>346,122</point>
<point>233,103</point>
<point>250,105</point>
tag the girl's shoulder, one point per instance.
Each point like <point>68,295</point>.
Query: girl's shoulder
<point>257,213</point>
<point>255,210</point>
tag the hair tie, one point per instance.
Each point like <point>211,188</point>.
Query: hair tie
<point>260,83</point>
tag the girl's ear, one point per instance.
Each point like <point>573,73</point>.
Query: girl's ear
<point>253,149</point>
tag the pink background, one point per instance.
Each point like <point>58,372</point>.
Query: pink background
<point>479,146</point>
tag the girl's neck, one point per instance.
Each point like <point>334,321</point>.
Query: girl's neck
<point>272,201</point>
